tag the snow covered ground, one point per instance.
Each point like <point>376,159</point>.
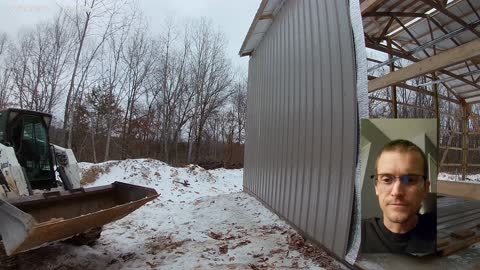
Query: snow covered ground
<point>450,177</point>
<point>208,224</point>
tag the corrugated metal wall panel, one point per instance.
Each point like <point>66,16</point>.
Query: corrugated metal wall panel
<point>301,134</point>
<point>302,121</point>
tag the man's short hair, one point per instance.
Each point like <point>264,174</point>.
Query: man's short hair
<point>403,146</point>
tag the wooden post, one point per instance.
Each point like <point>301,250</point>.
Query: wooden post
<point>464,140</point>
<point>393,87</point>
<point>437,114</point>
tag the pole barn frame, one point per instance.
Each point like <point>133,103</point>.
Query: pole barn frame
<point>430,67</point>
<point>441,42</point>
<point>429,54</point>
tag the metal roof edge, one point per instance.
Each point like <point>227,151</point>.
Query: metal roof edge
<point>251,29</point>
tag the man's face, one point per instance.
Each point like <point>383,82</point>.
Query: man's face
<point>400,202</point>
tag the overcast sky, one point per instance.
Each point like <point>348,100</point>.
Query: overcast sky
<point>233,17</point>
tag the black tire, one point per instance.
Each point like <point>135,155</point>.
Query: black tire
<point>86,238</point>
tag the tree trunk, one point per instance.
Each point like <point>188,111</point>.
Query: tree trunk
<point>109,135</point>
<point>67,115</point>
<point>190,142</point>
<point>198,140</point>
<point>93,147</point>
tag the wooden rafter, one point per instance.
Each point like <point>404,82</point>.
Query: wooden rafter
<point>378,62</point>
<point>420,90</point>
<point>473,9</point>
<point>370,5</point>
<point>409,57</point>
<point>451,15</point>
<point>449,89</point>
<point>391,7</point>
<point>385,30</point>
<point>405,56</point>
<point>416,9</point>
<point>473,96</point>
<point>453,39</point>
<point>432,37</point>
<point>265,17</point>
<point>432,17</point>
<point>395,14</point>
<point>468,92</point>
<point>403,104</point>
<point>428,65</point>
<point>460,78</point>
<point>399,47</point>
<point>445,24</point>
<point>420,10</point>
<point>411,36</point>
<point>456,86</point>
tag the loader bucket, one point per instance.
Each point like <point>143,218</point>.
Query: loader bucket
<point>33,221</point>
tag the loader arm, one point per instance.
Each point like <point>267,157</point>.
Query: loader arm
<point>67,167</point>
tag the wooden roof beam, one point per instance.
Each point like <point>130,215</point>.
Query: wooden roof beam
<point>430,17</point>
<point>265,17</point>
<point>473,9</point>
<point>405,55</point>
<point>420,90</point>
<point>395,14</point>
<point>385,30</point>
<point>474,96</point>
<point>370,5</point>
<point>392,7</point>
<point>460,78</point>
<point>429,65</point>
<point>449,14</point>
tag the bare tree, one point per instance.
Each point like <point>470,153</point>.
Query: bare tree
<point>239,108</point>
<point>211,79</point>
<point>139,57</point>
<point>59,38</point>
<point>114,71</point>
<point>3,43</point>
<point>170,89</point>
<point>94,20</point>
<point>5,73</point>
<point>122,87</point>
<point>28,63</point>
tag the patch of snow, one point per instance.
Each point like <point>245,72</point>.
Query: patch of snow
<point>475,178</point>
<point>208,224</point>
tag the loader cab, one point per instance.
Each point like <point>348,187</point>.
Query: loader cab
<point>27,132</point>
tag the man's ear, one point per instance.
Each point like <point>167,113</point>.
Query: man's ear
<point>376,190</point>
<point>427,186</point>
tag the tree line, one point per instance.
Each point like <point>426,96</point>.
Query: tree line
<point>117,91</point>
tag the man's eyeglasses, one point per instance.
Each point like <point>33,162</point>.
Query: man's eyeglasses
<point>407,180</point>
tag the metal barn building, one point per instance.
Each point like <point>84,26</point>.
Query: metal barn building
<point>302,117</point>
<point>308,89</point>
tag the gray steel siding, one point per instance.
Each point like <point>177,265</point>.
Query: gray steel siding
<point>302,122</point>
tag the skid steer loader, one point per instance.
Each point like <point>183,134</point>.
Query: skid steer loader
<point>41,199</point>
